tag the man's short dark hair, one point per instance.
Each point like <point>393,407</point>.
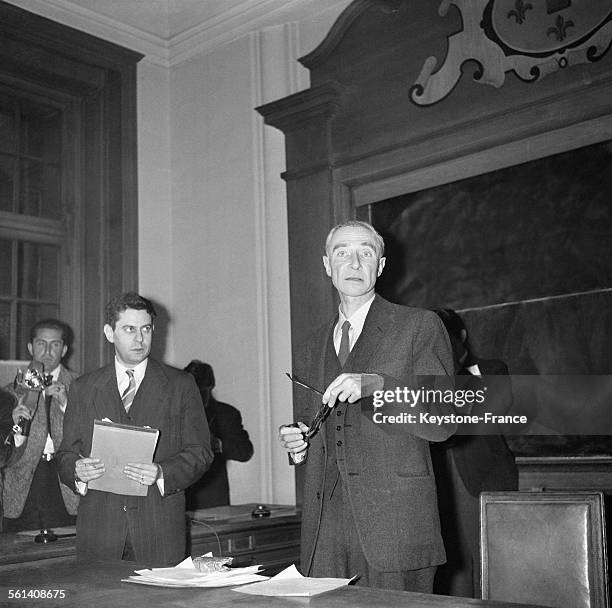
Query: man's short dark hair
<point>202,372</point>
<point>124,301</point>
<point>64,328</point>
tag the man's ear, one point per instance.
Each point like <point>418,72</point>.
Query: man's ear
<point>64,350</point>
<point>108,332</point>
<point>381,265</point>
<point>30,350</point>
<point>327,265</point>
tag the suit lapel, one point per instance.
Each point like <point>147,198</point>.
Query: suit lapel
<point>106,400</point>
<point>55,411</point>
<point>327,342</point>
<point>148,405</point>
<point>374,328</point>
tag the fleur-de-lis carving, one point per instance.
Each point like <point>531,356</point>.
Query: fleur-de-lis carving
<point>520,10</point>
<point>560,28</point>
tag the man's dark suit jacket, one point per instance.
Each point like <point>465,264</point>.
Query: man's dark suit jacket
<point>385,468</point>
<point>484,462</point>
<point>465,466</point>
<point>225,423</point>
<point>168,400</point>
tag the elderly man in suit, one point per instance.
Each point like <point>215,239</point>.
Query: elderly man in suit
<point>135,390</point>
<point>33,496</point>
<point>369,495</point>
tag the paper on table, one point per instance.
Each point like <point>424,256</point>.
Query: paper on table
<point>116,445</point>
<point>186,574</point>
<point>60,531</point>
<point>290,583</point>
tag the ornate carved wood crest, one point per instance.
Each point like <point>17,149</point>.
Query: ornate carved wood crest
<point>532,38</point>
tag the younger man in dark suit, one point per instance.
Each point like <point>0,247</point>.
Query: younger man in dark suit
<point>369,494</point>
<point>135,390</point>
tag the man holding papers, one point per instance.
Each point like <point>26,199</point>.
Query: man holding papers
<point>135,390</point>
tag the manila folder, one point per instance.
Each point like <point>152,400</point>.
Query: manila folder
<point>116,445</point>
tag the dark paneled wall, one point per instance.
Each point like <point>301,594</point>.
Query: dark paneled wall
<point>526,252</point>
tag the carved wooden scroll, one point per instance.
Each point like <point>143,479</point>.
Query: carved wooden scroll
<point>531,38</point>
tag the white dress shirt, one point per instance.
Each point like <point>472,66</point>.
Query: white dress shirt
<point>357,321</point>
<point>49,447</point>
<point>123,380</point>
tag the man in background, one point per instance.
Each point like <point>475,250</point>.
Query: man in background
<point>8,402</point>
<point>33,496</point>
<point>140,391</point>
<point>228,438</point>
<point>466,465</point>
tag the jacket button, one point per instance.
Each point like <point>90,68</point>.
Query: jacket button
<point>338,413</point>
<point>318,495</point>
<point>338,443</point>
<point>338,428</point>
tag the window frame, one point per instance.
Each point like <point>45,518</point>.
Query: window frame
<point>93,82</point>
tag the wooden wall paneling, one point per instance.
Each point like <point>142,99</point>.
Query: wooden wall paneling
<point>98,80</point>
<point>379,144</point>
<point>311,196</point>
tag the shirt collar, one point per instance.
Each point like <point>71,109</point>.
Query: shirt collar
<point>474,370</point>
<point>357,319</point>
<point>139,371</point>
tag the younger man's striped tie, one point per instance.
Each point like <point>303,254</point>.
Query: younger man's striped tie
<point>130,391</point>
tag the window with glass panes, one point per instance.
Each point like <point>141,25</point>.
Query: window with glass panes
<point>31,227</point>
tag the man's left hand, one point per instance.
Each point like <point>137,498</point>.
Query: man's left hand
<point>145,474</point>
<point>351,388</point>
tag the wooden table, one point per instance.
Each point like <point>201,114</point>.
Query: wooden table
<point>100,586</point>
<point>273,541</point>
<point>565,473</point>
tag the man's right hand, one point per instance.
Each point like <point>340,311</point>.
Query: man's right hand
<point>88,469</point>
<point>292,438</point>
<point>21,411</point>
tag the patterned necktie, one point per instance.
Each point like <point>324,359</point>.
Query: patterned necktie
<point>344,350</point>
<point>48,399</point>
<point>129,392</point>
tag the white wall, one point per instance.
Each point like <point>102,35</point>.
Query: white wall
<point>156,263</point>
<point>229,235</point>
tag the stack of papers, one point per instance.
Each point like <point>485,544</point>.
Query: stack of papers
<point>186,574</point>
<point>116,445</point>
<point>290,583</point>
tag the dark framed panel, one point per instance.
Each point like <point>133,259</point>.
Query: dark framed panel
<point>92,83</point>
<point>524,254</point>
